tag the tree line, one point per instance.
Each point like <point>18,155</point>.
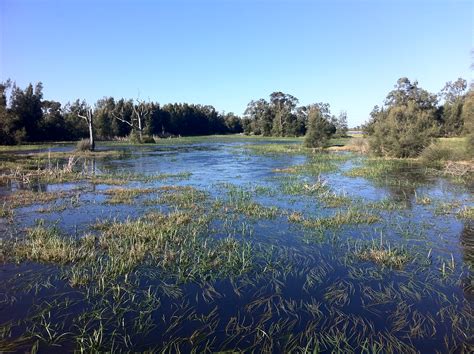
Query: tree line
<point>26,117</point>
<point>411,117</point>
<point>403,126</point>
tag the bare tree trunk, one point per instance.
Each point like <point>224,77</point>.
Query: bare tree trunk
<point>91,135</point>
<point>89,117</point>
<point>140,128</point>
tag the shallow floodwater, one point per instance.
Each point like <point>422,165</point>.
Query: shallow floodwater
<point>308,286</point>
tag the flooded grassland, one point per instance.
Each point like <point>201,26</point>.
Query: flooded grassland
<point>232,245</point>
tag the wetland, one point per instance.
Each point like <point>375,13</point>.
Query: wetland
<point>218,244</point>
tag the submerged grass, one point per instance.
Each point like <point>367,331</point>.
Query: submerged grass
<point>163,281</point>
<point>176,243</point>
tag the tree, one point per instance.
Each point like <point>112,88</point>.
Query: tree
<point>450,112</point>
<point>11,129</point>
<point>467,116</point>
<point>452,91</point>
<point>341,124</point>
<point>26,106</point>
<point>233,123</point>
<point>282,106</point>
<point>407,123</point>
<point>53,124</point>
<point>260,115</point>
<point>319,129</point>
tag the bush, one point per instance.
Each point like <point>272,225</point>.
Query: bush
<point>403,131</point>
<point>83,145</point>
<point>319,130</point>
<point>360,145</point>
<point>148,140</point>
<point>435,154</point>
<point>134,138</point>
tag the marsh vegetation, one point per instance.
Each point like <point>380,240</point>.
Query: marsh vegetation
<point>232,244</point>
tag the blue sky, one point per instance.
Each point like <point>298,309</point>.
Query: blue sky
<point>226,53</point>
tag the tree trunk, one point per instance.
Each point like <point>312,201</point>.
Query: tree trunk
<point>140,128</point>
<point>91,136</point>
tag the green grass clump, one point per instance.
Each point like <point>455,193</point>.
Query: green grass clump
<point>334,200</point>
<point>5,211</point>
<point>47,245</point>
<point>273,149</point>
<point>83,145</point>
<point>177,243</point>
<point>341,218</point>
<point>387,204</point>
<point>255,210</point>
<point>375,168</point>
<point>384,255</point>
<point>180,196</point>
<point>126,195</point>
<point>295,187</point>
<point>422,199</point>
<point>466,212</point>
<point>316,164</point>
<point>26,197</point>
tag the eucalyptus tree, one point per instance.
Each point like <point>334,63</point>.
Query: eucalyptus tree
<point>453,94</point>
<point>341,124</point>
<point>259,114</point>
<point>283,108</point>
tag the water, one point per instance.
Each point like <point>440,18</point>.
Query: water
<point>305,288</point>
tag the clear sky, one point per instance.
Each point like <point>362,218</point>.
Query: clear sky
<point>226,53</point>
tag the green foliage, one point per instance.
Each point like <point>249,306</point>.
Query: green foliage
<point>467,115</point>
<point>26,117</point>
<point>281,116</point>
<point>341,125</point>
<point>319,130</point>
<point>407,125</point>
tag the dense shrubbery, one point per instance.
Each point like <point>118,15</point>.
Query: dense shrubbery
<point>411,118</point>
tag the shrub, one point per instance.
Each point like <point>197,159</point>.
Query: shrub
<point>319,130</point>
<point>403,131</point>
<point>83,145</point>
<point>148,140</point>
<point>435,154</point>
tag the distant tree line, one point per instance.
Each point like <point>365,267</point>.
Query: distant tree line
<point>411,117</point>
<point>26,117</point>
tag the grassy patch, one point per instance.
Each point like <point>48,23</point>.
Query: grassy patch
<point>341,218</point>
<point>383,254</point>
<point>28,197</point>
<point>375,168</point>
<point>126,195</point>
<point>466,212</point>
